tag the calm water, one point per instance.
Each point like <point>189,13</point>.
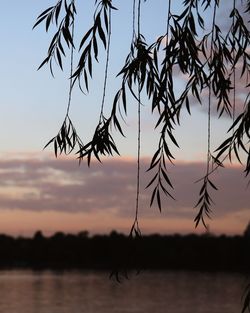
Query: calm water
<point>91,292</point>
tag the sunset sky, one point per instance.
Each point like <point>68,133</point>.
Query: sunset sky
<point>41,192</point>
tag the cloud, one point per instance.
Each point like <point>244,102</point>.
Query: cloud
<point>232,196</point>
<point>58,194</point>
<point>62,186</point>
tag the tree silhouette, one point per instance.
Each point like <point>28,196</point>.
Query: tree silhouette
<point>211,58</point>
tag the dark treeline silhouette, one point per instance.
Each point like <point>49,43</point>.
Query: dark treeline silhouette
<point>117,251</point>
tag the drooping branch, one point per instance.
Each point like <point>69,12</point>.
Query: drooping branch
<point>209,62</point>
<point>205,201</point>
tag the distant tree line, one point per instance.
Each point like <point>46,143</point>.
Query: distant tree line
<point>117,252</point>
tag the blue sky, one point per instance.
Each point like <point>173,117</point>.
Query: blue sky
<point>32,100</point>
<point>33,106</point>
<point>33,103</point>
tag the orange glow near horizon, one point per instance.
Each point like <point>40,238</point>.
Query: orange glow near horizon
<point>26,223</point>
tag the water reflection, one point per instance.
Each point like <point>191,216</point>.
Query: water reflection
<point>92,292</point>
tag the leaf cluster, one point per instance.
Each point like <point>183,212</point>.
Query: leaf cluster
<point>66,140</point>
<point>239,141</point>
<point>51,16</point>
<point>89,45</point>
<point>102,143</point>
<point>204,202</point>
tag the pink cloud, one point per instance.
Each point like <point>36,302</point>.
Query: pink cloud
<point>62,186</point>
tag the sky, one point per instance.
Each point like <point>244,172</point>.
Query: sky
<point>41,192</point>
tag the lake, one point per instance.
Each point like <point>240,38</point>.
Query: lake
<point>25,291</point>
